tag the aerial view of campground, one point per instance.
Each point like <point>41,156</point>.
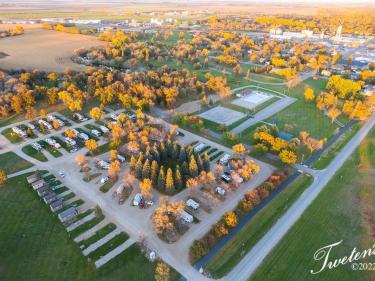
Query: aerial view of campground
<point>187,140</point>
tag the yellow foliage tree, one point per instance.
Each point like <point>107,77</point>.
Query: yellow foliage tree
<point>146,189</point>
<point>230,219</point>
<point>96,113</point>
<point>3,177</point>
<point>309,94</point>
<point>91,145</point>
<point>288,157</point>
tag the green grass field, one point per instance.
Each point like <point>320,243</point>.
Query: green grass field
<point>335,148</point>
<point>12,137</point>
<point>38,155</point>
<point>343,211</point>
<point>254,230</point>
<point>12,163</point>
<point>34,245</point>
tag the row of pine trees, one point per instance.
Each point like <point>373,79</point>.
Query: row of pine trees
<point>148,165</point>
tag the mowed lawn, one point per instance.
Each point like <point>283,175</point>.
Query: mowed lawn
<point>34,245</point>
<point>304,116</point>
<point>12,163</point>
<point>343,211</point>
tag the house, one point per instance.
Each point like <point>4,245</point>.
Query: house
<point>38,184</point>
<point>33,178</point>
<point>57,205</point>
<point>187,217</point>
<point>68,215</point>
<point>50,197</point>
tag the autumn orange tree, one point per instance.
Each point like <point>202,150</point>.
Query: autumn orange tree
<point>288,157</point>
<point>309,94</point>
<point>114,169</point>
<point>96,113</point>
<point>166,216</point>
<point>162,272</point>
<point>239,151</point>
<point>91,145</point>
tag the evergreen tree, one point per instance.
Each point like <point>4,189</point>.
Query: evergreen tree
<point>185,169</point>
<point>175,151</point>
<point>200,163</point>
<point>154,172</point>
<point>182,155</point>
<point>189,152</point>
<point>193,168</point>
<point>169,183</point>
<point>163,153</point>
<point>148,154</point>
<point>155,153</point>
<point>206,162</point>
<point>178,179</point>
<point>161,178</point>
<point>139,167</point>
<point>146,170</point>
<point>132,163</point>
<point>168,147</point>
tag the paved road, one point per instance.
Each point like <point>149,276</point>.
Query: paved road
<point>254,258</point>
<point>264,114</point>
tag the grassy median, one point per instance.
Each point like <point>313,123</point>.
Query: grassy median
<point>254,230</point>
<point>344,210</point>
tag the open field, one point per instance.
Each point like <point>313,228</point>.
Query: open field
<point>12,163</point>
<point>343,211</point>
<point>328,155</point>
<point>233,251</point>
<point>35,246</point>
<point>43,49</point>
<point>29,150</point>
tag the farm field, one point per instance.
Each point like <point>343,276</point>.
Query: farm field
<point>43,49</point>
<point>35,246</point>
<point>343,211</point>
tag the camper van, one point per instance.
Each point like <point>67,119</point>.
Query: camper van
<point>191,203</point>
<point>225,159</point>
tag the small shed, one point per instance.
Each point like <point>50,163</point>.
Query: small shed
<point>285,136</point>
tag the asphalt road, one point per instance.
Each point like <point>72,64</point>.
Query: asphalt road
<point>259,252</point>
